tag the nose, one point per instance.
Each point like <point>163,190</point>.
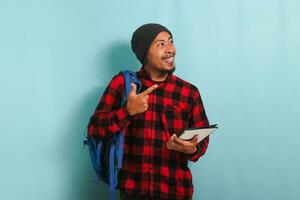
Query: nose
<point>171,48</point>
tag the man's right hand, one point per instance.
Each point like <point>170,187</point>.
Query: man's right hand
<point>138,103</point>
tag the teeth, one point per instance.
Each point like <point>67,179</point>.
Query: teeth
<point>169,60</point>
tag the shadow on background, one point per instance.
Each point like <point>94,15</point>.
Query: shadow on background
<point>118,57</point>
<point>81,172</point>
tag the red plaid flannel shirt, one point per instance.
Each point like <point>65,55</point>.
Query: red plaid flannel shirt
<point>149,168</point>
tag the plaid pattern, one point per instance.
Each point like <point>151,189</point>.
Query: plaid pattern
<point>149,168</point>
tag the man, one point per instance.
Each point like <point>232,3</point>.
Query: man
<point>155,159</point>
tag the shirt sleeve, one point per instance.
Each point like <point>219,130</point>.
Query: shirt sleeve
<point>110,116</point>
<point>198,118</point>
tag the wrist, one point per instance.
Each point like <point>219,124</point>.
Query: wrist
<point>194,151</point>
<point>129,114</point>
<point>128,111</point>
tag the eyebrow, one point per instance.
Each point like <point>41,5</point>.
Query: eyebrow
<point>163,40</point>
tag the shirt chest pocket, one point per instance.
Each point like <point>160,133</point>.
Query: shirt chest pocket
<point>176,119</point>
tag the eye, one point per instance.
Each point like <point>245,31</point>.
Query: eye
<point>160,44</point>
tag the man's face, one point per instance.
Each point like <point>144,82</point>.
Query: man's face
<point>161,54</point>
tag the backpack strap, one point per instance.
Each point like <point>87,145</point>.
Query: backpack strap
<point>131,77</point>
<point>116,151</point>
<point>112,173</point>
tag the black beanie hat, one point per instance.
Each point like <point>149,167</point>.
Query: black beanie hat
<point>142,39</point>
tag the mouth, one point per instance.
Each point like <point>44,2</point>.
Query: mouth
<point>169,59</point>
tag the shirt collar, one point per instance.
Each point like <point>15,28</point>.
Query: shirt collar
<point>143,74</point>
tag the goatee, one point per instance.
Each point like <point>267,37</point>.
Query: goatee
<point>168,71</point>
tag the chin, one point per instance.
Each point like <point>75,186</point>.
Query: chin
<point>170,70</point>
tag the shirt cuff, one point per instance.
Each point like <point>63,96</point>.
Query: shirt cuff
<point>196,155</point>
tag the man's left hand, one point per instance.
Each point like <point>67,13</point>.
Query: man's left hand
<point>183,146</point>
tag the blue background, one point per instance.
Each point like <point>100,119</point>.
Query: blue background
<point>57,56</point>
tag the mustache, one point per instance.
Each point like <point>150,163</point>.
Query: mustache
<point>168,56</point>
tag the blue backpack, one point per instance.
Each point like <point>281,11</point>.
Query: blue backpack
<point>106,153</point>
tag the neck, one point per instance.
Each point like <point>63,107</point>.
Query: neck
<point>156,75</point>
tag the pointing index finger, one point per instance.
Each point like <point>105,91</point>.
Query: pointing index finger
<point>149,90</point>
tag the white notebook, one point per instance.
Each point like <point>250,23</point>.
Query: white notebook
<point>200,133</point>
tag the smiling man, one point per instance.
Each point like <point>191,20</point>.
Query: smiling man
<point>155,160</point>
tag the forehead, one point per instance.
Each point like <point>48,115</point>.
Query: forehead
<point>162,36</point>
